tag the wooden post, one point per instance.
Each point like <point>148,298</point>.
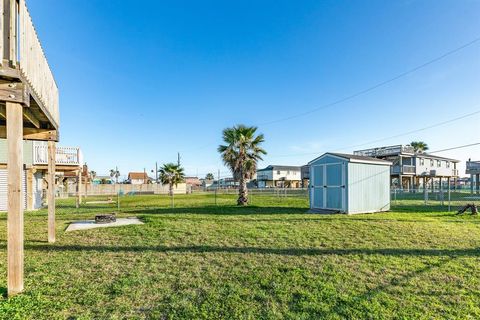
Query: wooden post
<point>15,198</point>
<point>51,191</point>
<point>30,191</point>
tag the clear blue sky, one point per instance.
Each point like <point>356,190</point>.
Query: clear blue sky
<point>140,81</point>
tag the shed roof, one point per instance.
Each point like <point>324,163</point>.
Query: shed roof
<point>354,158</point>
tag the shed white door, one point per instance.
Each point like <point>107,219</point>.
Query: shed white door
<point>328,188</point>
<point>4,188</point>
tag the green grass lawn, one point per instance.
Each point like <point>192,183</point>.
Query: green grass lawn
<point>267,261</point>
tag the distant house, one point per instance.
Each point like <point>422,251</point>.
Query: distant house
<point>277,176</point>
<point>207,183</point>
<point>138,178</point>
<point>227,183</point>
<point>193,182</point>
<point>473,169</point>
<point>410,168</point>
<point>305,175</point>
<point>102,180</point>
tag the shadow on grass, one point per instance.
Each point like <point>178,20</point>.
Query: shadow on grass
<point>342,308</point>
<point>474,252</point>
<point>420,208</point>
<point>219,210</point>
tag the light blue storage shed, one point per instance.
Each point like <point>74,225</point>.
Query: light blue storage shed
<point>347,183</point>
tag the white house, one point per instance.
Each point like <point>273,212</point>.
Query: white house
<point>275,176</point>
<point>138,178</point>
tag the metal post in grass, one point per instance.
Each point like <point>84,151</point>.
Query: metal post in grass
<point>216,196</point>
<point>425,191</point>
<point>118,201</point>
<point>449,196</point>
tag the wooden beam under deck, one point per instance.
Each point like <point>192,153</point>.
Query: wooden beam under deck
<point>15,87</point>
<point>33,134</point>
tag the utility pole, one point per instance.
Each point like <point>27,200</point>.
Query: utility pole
<point>144,176</point>
<point>156,172</point>
<point>178,158</point>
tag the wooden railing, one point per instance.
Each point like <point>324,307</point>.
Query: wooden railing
<point>67,156</point>
<point>33,63</point>
<point>20,49</point>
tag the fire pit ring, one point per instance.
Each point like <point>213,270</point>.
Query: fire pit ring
<point>105,218</point>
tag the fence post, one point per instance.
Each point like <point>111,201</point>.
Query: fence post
<point>449,196</point>
<point>215,196</point>
<point>425,190</point>
<point>118,201</point>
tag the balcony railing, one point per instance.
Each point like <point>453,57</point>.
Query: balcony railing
<point>385,151</point>
<point>20,46</point>
<point>405,169</point>
<point>34,65</point>
<point>65,156</point>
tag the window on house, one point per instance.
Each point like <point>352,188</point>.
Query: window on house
<point>447,164</point>
<point>439,163</point>
<point>278,171</point>
<point>431,162</point>
<point>422,161</point>
<point>288,172</point>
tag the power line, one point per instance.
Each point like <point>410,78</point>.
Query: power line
<point>415,131</point>
<point>458,147</point>
<point>391,137</point>
<point>378,85</point>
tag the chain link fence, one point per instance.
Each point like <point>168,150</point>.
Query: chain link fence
<point>446,198</point>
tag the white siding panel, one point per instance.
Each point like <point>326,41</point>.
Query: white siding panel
<point>368,188</point>
<point>4,188</point>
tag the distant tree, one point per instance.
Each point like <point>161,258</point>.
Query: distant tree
<point>209,176</point>
<point>419,146</point>
<point>171,174</point>
<point>241,153</point>
<point>93,174</point>
<point>114,173</point>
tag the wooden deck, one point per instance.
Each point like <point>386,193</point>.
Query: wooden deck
<point>25,76</point>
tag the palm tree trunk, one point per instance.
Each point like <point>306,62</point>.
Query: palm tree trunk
<point>242,192</point>
<point>170,191</point>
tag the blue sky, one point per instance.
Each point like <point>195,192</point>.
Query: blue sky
<point>139,83</point>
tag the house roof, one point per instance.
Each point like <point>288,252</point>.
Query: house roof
<point>137,176</point>
<point>355,158</point>
<point>428,155</point>
<point>279,167</point>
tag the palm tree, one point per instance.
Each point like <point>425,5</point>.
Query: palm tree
<point>209,176</point>
<point>171,174</point>
<point>114,173</point>
<point>241,153</point>
<point>419,146</point>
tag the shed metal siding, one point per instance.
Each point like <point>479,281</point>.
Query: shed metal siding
<point>368,188</point>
